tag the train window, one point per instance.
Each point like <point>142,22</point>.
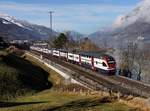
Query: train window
<point>111,62</point>
<point>70,56</point>
<point>104,64</point>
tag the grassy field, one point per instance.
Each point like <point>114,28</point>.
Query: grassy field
<point>48,98</point>
<point>20,77</point>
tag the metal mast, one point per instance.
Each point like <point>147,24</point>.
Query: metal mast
<point>51,21</point>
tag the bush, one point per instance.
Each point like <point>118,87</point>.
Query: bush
<point>19,77</point>
<point>9,83</point>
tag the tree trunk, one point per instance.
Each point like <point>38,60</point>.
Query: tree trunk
<point>139,75</point>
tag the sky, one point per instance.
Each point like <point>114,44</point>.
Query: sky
<point>84,16</point>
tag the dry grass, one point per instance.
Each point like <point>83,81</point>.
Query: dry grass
<point>138,103</point>
<point>50,100</point>
<point>71,98</point>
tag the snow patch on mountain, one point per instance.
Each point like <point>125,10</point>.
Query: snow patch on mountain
<point>6,22</point>
<point>10,19</point>
<point>20,29</point>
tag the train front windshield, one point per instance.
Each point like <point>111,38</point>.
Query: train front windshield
<point>112,64</point>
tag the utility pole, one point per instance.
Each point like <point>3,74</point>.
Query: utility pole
<point>51,21</point>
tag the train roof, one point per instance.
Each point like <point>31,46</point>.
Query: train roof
<point>96,54</point>
<point>62,50</point>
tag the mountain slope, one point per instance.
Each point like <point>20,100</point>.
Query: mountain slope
<point>134,26</point>
<point>12,28</point>
<point>141,13</point>
<point>75,35</point>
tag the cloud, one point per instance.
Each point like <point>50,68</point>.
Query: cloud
<point>81,17</point>
<point>140,13</point>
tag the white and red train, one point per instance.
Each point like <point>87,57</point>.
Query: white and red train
<point>100,62</point>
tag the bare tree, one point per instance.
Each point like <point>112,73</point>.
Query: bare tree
<point>128,58</point>
<point>134,58</point>
<point>142,57</point>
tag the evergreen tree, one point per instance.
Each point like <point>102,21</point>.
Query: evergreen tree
<point>60,41</point>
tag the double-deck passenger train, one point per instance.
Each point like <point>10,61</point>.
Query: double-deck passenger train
<point>100,62</point>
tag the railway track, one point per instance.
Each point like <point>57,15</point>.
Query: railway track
<point>97,81</point>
